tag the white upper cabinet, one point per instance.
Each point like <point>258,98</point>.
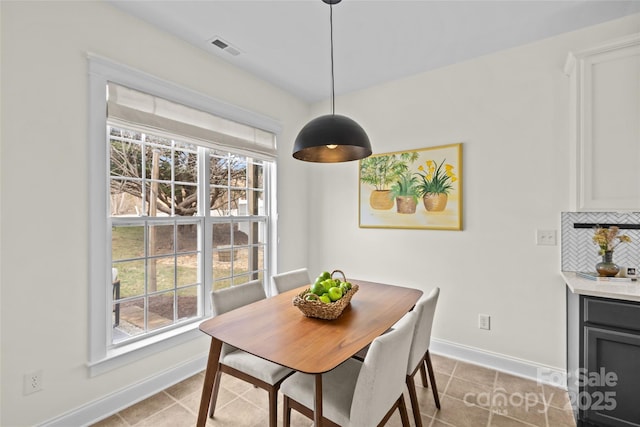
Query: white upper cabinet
<point>605,126</point>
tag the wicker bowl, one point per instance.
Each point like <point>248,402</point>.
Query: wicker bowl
<point>321,310</point>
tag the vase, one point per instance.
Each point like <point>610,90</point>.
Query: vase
<point>381,199</point>
<point>435,202</point>
<point>406,204</point>
<point>607,268</point>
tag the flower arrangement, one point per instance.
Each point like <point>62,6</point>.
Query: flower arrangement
<point>608,239</point>
<point>435,178</point>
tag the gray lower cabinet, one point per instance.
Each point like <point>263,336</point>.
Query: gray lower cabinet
<point>604,370</point>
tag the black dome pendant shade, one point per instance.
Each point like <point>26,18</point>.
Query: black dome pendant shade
<point>331,138</point>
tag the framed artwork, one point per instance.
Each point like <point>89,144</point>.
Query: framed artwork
<point>419,189</point>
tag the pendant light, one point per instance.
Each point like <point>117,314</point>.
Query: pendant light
<point>331,138</point>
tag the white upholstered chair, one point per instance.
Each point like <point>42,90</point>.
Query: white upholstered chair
<point>358,394</point>
<point>419,354</point>
<point>291,279</point>
<point>252,369</point>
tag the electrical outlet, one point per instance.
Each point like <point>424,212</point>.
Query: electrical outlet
<point>32,382</point>
<point>546,237</point>
<point>484,321</point>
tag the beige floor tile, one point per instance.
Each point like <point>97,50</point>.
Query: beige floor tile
<point>519,398</point>
<point>441,380</point>
<point>238,412</point>
<point>186,387</point>
<point>396,420</point>
<point>426,403</point>
<point>515,384</point>
<point>556,397</point>
<point>259,397</point>
<point>470,392</point>
<point>474,373</point>
<point>502,421</point>
<point>442,364</point>
<point>439,423</point>
<point>174,416</point>
<point>560,418</point>
<point>527,409</point>
<point>234,384</point>
<point>147,408</point>
<point>297,419</point>
<point>456,412</point>
<point>113,421</point>
<point>193,400</point>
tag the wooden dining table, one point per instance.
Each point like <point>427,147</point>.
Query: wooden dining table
<point>274,329</point>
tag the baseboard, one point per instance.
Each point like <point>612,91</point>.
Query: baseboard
<point>117,401</point>
<point>500,362</point>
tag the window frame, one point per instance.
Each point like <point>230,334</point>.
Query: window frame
<point>102,356</point>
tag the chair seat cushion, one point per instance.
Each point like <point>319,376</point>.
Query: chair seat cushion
<point>337,390</point>
<point>257,367</point>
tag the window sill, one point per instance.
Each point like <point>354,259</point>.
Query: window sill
<point>127,354</point>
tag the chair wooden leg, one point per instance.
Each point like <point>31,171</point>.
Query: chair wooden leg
<point>413,397</point>
<point>273,407</point>
<point>423,373</point>
<point>286,415</point>
<point>214,394</point>
<point>404,415</point>
<point>432,379</point>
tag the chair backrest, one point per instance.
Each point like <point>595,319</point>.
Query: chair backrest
<point>231,298</point>
<point>236,296</point>
<point>425,309</point>
<point>381,380</point>
<point>291,279</point>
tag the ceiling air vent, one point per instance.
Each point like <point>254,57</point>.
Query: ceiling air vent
<point>225,46</point>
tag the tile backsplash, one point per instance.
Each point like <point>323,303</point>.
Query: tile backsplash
<point>579,253</point>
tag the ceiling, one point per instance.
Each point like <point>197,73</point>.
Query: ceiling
<point>375,41</point>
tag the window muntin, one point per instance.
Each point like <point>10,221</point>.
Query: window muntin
<point>158,227</point>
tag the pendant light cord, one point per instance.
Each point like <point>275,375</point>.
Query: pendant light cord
<point>333,89</point>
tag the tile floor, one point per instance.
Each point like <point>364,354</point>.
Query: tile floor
<point>470,396</point>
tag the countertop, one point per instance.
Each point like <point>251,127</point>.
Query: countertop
<point>629,291</point>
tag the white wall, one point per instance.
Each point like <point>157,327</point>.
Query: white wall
<point>44,189</point>
<point>510,109</point>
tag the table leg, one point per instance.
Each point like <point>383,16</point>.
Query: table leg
<point>209,377</point>
<point>317,410</point>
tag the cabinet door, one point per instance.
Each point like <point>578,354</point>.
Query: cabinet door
<point>611,392</point>
<point>606,126</point>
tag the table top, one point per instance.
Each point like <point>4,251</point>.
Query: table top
<point>276,330</point>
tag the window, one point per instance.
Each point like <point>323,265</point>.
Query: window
<point>187,208</point>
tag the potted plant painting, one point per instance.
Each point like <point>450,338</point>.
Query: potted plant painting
<point>435,185</point>
<point>380,172</point>
<point>405,192</point>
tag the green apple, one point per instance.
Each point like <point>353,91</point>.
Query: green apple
<point>325,298</point>
<point>335,293</point>
<point>345,286</point>
<point>328,284</point>
<point>318,288</point>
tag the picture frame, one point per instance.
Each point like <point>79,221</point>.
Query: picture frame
<point>413,189</point>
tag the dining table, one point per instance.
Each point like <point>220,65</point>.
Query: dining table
<point>276,330</point>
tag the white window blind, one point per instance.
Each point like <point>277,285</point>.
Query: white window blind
<point>129,106</point>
